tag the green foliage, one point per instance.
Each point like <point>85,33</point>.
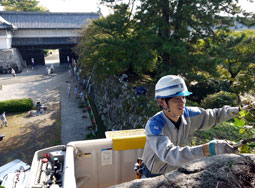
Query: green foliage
<point>224,131</point>
<point>112,46</point>
<point>241,129</point>
<point>203,85</point>
<point>180,25</point>
<point>46,52</point>
<point>90,136</point>
<point>220,99</point>
<point>245,123</point>
<point>239,122</point>
<point>22,5</point>
<point>249,21</point>
<point>158,32</point>
<point>236,51</point>
<point>172,37</point>
<point>100,127</point>
<point>191,103</point>
<point>16,105</point>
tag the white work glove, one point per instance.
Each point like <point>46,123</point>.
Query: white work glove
<point>249,107</point>
<point>216,147</point>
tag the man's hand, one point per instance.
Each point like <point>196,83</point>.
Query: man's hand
<point>216,147</point>
<point>249,107</point>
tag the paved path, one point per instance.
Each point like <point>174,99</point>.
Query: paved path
<point>74,126</point>
<point>49,89</point>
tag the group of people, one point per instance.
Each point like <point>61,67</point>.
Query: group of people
<point>39,108</point>
<point>4,120</point>
<point>74,71</point>
<point>78,92</point>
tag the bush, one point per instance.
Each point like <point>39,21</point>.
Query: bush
<point>191,103</point>
<point>205,87</point>
<point>90,136</point>
<point>220,99</point>
<point>16,105</point>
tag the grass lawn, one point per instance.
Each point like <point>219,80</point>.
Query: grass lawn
<point>25,134</point>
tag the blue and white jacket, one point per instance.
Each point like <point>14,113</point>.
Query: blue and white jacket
<point>167,147</point>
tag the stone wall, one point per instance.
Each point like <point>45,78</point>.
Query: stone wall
<point>10,58</point>
<point>117,106</point>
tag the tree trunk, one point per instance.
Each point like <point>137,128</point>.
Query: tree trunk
<point>164,29</point>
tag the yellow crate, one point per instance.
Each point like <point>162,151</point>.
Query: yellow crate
<point>127,139</point>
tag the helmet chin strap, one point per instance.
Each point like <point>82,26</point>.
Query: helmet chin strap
<point>166,108</point>
<point>170,113</point>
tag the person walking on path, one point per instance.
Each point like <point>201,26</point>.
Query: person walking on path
<point>73,62</point>
<point>33,62</point>
<point>82,96</point>
<point>76,91</point>
<point>74,71</point>
<point>51,68</point>
<point>4,120</point>
<point>78,75</point>
<point>69,90</point>
<point>68,61</point>
<point>70,73</point>
<point>13,72</point>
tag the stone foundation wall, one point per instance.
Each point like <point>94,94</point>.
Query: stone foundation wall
<point>10,58</point>
<point>117,106</point>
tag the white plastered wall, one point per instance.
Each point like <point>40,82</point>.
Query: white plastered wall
<point>5,39</point>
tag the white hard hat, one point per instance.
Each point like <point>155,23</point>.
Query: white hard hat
<point>171,86</point>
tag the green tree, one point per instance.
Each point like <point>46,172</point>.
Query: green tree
<point>113,45</point>
<point>174,37</point>
<point>236,51</point>
<point>180,24</point>
<point>22,5</point>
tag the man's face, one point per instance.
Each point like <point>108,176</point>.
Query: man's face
<point>177,105</point>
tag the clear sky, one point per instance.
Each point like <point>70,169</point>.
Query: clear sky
<point>93,6</point>
<point>74,6</point>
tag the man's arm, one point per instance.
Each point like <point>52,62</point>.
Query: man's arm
<point>207,118</point>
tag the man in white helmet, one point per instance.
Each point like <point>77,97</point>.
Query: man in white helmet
<point>169,132</point>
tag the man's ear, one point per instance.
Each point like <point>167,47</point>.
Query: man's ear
<point>161,102</point>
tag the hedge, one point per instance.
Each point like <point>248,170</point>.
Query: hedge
<point>16,105</point>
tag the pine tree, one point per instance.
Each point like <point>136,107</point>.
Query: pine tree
<point>22,5</point>
<point>180,24</point>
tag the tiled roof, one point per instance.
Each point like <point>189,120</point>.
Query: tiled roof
<point>48,20</point>
<point>5,24</point>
